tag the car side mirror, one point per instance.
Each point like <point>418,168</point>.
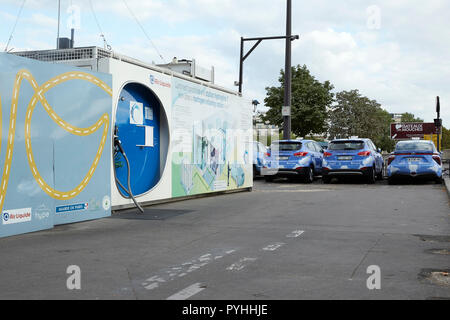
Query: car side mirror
<point>379,150</point>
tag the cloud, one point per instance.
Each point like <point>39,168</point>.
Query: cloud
<point>404,64</point>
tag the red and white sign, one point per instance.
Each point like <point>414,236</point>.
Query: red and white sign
<point>16,216</point>
<point>401,131</point>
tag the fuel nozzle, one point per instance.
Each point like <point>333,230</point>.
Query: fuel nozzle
<point>117,142</point>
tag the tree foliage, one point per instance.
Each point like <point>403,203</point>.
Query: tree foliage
<point>445,138</point>
<point>356,115</point>
<point>310,100</point>
<point>409,117</point>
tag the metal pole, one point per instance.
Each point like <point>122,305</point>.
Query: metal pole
<point>438,111</point>
<point>59,18</point>
<point>241,65</point>
<point>287,72</point>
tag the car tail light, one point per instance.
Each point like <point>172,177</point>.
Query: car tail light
<point>300,154</point>
<point>267,154</point>
<point>437,159</point>
<point>364,154</point>
<point>327,154</point>
<point>390,159</point>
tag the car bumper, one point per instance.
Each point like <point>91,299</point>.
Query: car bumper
<point>345,172</point>
<point>283,172</point>
<point>422,172</point>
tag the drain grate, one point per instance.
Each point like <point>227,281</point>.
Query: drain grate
<point>149,214</point>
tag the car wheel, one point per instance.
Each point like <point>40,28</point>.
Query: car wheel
<point>255,172</point>
<point>371,175</point>
<point>391,181</point>
<point>438,180</point>
<point>309,175</point>
<point>326,179</point>
<point>380,175</point>
<point>269,178</point>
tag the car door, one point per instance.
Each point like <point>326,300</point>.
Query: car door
<point>319,156</point>
<point>378,157</point>
<point>314,155</point>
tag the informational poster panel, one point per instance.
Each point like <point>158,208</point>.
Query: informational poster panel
<point>211,140</point>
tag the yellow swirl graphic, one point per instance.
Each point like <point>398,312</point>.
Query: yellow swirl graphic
<point>39,92</point>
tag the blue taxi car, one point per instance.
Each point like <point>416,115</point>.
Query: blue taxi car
<point>259,158</point>
<point>415,159</point>
<point>352,157</point>
<point>294,159</point>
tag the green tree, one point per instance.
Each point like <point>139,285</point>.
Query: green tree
<point>310,100</point>
<point>445,138</point>
<point>409,117</point>
<point>356,115</point>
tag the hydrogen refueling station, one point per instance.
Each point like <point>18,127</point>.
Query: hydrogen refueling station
<point>87,131</point>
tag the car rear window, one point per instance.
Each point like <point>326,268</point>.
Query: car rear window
<point>411,146</point>
<point>346,145</point>
<point>286,146</point>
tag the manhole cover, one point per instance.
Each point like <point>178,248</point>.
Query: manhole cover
<point>436,276</point>
<point>149,214</point>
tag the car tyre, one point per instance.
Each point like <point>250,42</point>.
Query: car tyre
<point>380,175</point>
<point>371,175</point>
<point>269,178</point>
<point>391,181</point>
<point>309,175</point>
<point>438,180</point>
<point>326,179</point>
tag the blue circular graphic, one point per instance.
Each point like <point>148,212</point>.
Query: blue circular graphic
<point>6,216</point>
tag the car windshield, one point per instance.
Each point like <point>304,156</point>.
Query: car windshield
<point>411,146</point>
<point>286,146</point>
<point>346,145</point>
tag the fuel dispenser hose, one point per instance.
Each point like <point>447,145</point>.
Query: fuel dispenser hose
<point>119,148</point>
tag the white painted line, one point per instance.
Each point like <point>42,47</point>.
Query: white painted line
<point>273,247</point>
<point>295,234</point>
<point>241,264</point>
<point>179,271</point>
<point>187,293</point>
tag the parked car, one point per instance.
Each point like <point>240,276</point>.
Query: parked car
<point>259,158</point>
<point>294,159</point>
<point>352,157</point>
<point>415,159</point>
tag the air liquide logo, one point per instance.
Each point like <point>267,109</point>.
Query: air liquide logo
<point>16,216</point>
<point>154,80</point>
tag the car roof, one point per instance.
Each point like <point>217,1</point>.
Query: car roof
<point>356,139</point>
<point>413,141</point>
<point>297,140</point>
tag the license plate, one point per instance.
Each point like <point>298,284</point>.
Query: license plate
<point>414,159</point>
<point>282,158</point>
<point>345,158</point>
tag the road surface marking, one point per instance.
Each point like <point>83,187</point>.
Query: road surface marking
<point>241,264</point>
<point>187,293</point>
<point>295,234</point>
<point>182,270</point>
<point>273,247</point>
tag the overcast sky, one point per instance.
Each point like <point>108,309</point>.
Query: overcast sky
<point>396,52</point>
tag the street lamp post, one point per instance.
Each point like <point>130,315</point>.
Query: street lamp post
<point>288,75</point>
<point>438,123</point>
<point>287,82</point>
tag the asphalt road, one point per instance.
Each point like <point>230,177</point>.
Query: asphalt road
<point>282,241</point>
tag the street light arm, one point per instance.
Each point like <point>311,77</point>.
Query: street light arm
<point>258,41</point>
